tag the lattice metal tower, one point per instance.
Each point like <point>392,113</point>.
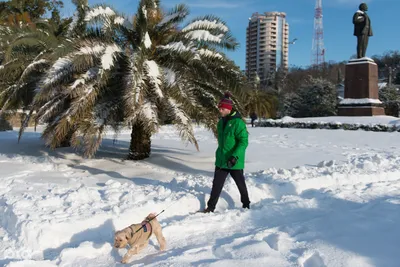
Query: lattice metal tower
<point>318,50</point>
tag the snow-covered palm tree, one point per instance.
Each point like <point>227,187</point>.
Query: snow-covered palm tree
<point>263,103</point>
<point>28,49</point>
<point>136,72</point>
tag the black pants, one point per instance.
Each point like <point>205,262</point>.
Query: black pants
<point>219,181</point>
<point>362,43</point>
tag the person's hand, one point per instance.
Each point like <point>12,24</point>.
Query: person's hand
<point>231,162</point>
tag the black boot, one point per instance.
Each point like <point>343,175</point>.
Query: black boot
<point>246,206</point>
<point>207,210</point>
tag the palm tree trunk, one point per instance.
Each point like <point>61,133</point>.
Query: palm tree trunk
<point>140,146</point>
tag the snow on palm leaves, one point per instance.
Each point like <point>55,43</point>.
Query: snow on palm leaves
<point>134,63</point>
<point>29,53</point>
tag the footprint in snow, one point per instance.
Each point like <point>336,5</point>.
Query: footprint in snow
<point>313,260</point>
<point>272,241</point>
<point>222,253</point>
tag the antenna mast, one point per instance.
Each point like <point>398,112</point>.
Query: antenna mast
<point>318,50</point>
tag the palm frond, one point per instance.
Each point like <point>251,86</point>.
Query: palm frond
<point>83,79</point>
<point>147,114</point>
<point>50,109</point>
<point>207,23</point>
<point>24,125</point>
<point>23,85</point>
<point>210,31</point>
<point>182,122</point>
<point>92,139</point>
<point>209,53</point>
<point>204,36</point>
<point>179,47</point>
<point>99,11</point>
<point>59,72</point>
<point>134,85</point>
<point>108,58</point>
<point>84,101</point>
<point>35,66</point>
<point>108,18</point>
<point>26,42</point>
<point>174,16</point>
<point>154,76</point>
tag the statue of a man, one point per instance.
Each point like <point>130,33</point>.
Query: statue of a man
<point>362,29</point>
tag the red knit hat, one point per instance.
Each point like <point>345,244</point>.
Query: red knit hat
<point>226,102</point>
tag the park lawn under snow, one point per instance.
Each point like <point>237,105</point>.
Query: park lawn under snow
<point>319,198</point>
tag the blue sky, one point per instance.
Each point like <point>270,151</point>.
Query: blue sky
<point>338,28</point>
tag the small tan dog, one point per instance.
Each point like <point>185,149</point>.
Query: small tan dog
<point>139,240</point>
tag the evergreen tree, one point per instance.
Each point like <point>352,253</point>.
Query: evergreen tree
<point>390,98</point>
<point>397,79</point>
<point>34,8</point>
<point>315,98</point>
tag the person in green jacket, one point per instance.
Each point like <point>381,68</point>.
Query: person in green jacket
<point>230,155</point>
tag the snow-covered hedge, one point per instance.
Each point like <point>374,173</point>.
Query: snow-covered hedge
<point>330,125</point>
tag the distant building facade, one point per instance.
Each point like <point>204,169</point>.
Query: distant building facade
<point>267,44</point>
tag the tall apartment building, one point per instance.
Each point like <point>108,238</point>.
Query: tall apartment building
<point>267,44</point>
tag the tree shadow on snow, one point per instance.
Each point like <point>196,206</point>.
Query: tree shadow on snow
<point>30,145</point>
<point>8,261</point>
<point>115,151</point>
<point>174,164</point>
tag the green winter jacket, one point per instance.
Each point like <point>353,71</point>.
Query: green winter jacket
<point>232,141</point>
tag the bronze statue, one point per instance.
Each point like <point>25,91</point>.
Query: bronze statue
<point>362,29</point>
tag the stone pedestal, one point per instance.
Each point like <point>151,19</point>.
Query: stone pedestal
<point>361,89</point>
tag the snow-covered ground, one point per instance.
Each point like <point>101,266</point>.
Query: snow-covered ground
<point>319,198</point>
